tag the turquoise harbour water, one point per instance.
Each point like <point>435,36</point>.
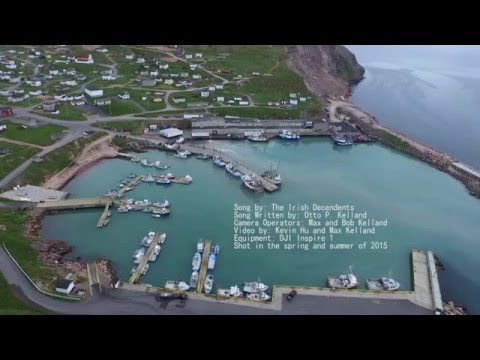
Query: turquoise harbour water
<point>425,208</point>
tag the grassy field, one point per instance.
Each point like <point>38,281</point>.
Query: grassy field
<point>32,100</point>
<point>39,135</point>
<point>257,112</point>
<point>120,107</point>
<point>102,84</point>
<point>55,161</point>
<point>137,95</point>
<point>10,304</point>
<point>17,155</point>
<point>66,112</point>
<point>20,247</point>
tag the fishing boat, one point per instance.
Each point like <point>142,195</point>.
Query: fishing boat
<point>156,252</point>
<point>231,169</point>
<point>254,287</point>
<point>164,181</point>
<point>147,210</point>
<point>342,141</point>
<point>134,159</point>
<point>251,183</point>
<point>346,281</point>
<point>384,283</point>
<point>202,157</point>
<point>160,165</point>
<point>200,245</point>
<point>147,240</point>
<point>216,249</point>
<point>171,146</point>
<point>257,138</point>
<point>180,155</point>
<point>217,161</point>
<point>180,140</point>
<point>148,178</point>
<point>169,176</point>
<point>260,296</point>
<point>234,291</point>
<point>194,279</point>
<point>164,203</point>
<point>139,202</point>
<point>156,215</point>
<point>132,175</point>
<point>146,162</point>
<point>208,285</point>
<point>120,185</point>
<point>128,188</point>
<point>106,221</point>
<point>273,176</point>
<point>196,261</point>
<point>122,209</point>
<point>138,255</point>
<point>211,261</point>
<point>289,135</point>
<point>177,285</point>
<point>162,211</point>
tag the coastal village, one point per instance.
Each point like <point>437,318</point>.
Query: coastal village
<point>65,108</point>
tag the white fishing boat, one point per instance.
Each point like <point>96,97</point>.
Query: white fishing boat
<point>254,287</point>
<point>202,157</point>
<point>273,176</point>
<point>164,203</point>
<point>232,170</point>
<point>348,281</point>
<point>138,254</point>
<point>208,285</point>
<point>194,279</point>
<point>216,249</point>
<point>146,162</point>
<point>260,296</point>
<point>160,165</point>
<point>289,135</point>
<point>257,138</point>
<point>180,155</point>
<point>106,221</point>
<point>147,202</point>
<point>234,291</point>
<point>120,185</point>
<point>148,178</point>
<point>251,183</point>
<point>200,245</point>
<point>147,240</point>
<point>156,215</point>
<point>145,269</point>
<point>217,161</point>
<point>384,283</point>
<point>147,210</point>
<point>128,188</point>
<point>180,140</point>
<point>122,209</point>
<point>169,176</point>
<point>196,261</point>
<point>155,253</point>
<point>177,285</point>
<point>163,211</point>
<point>132,175</point>
<point>211,261</point>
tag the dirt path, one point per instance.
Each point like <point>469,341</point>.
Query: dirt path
<point>21,143</point>
<point>93,153</point>
<point>269,72</point>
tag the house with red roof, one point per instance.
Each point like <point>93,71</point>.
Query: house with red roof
<point>84,59</point>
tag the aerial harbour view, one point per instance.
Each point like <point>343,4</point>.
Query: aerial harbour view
<point>238,179</point>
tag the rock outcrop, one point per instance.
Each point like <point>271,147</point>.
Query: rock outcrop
<point>326,69</point>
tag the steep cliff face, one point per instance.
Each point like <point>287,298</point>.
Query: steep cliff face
<point>326,69</point>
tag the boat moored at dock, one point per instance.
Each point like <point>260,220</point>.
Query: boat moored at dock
<point>208,286</point>
<point>196,261</point>
<point>155,253</point>
<point>177,285</point>
<point>254,287</point>
<point>200,245</point>
<point>384,284</point>
<point>234,291</point>
<point>259,296</point>
<point>194,279</point>
<point>217,161</point>
<point>211,261</point>
<point>348,281</point>
<point>202,157</point>
<point>289,135</point>
<point>231,169</point>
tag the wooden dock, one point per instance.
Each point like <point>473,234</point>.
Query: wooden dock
<point>203,267</point>
<point>266,184</point>
<point>103,216</point>
<point>75,203</point>
<point>158,238</point>
<point>131,183</point>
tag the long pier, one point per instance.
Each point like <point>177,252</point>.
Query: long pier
<point>81,203</point>
<point>203,267</point>
<point>266,184</point>
<point>131,183</point>
<point>158,237</point>
<point>103,216</point>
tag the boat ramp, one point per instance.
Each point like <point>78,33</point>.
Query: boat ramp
<point>106,213</point>
<point>159,237</point>
<point>203,267</point>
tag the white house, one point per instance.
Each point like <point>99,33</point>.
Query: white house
<point>35,83</point>
<point>220,98</point>
<point>5,92</point>
<point>64,286</point>
<point>168,82</point>
<point>198,55</point>
<point>196,76</point>
<point>211,88</point>
<point>219,87</point>
<point>179,100</point>
<point>69,82</point>
<point>231,102</point>
<point>174,75</point>
<point>163,66</point>
<point>243,103</point>
<point>255,73</point>
<point>53,72</point>
<point>84,59</point>
<point>193,66</point>
<point>129,56</point>
<point>237,99</point>
<point>124,96</point>
<point>205,94</point>
<point>71,72</point>
<point>102,50</point>
<point>35,93</point>
<point>153,127</point>
<point>108,77</point>
<point>101,102</point>
<point>78,102</point>
<point>11,66</point>
<point>140,60</point>
<point>302,99</point>
<point>293,101</point>
<point>188,56</point>
<point>93,92</point>
<point>154,73</point>
<point>157,100</point>
<point>293,95</point>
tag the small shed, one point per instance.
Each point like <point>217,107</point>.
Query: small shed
<point>64,286</point>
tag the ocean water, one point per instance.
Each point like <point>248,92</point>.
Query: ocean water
<point>425,208</point>
<point>429,93</point>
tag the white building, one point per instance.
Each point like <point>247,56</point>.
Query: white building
<point>293,101</point>
<point>168,82</point>
<point>93,92</point>
<point>204,94</point>
<point>211,88</point>
<point>171,133</point>
<point>108,77</point>
<point>219,87</point>
<point>220,98</point>
<point>163,66</point>
<point>188,56</point>
<point>293,95</point>
<point>35,83</point>
<point>35,93</point>
<point>140,60</point>
<point>198,55</point>
<point>179,100</point>
<point>196,76</point>
<point>124,96</point>
<point>243,103</point>
<point>303,99</point>
<point>53,72</point>
<point>83,59</point>
<point>64,286</point>
<point>129,56</point>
